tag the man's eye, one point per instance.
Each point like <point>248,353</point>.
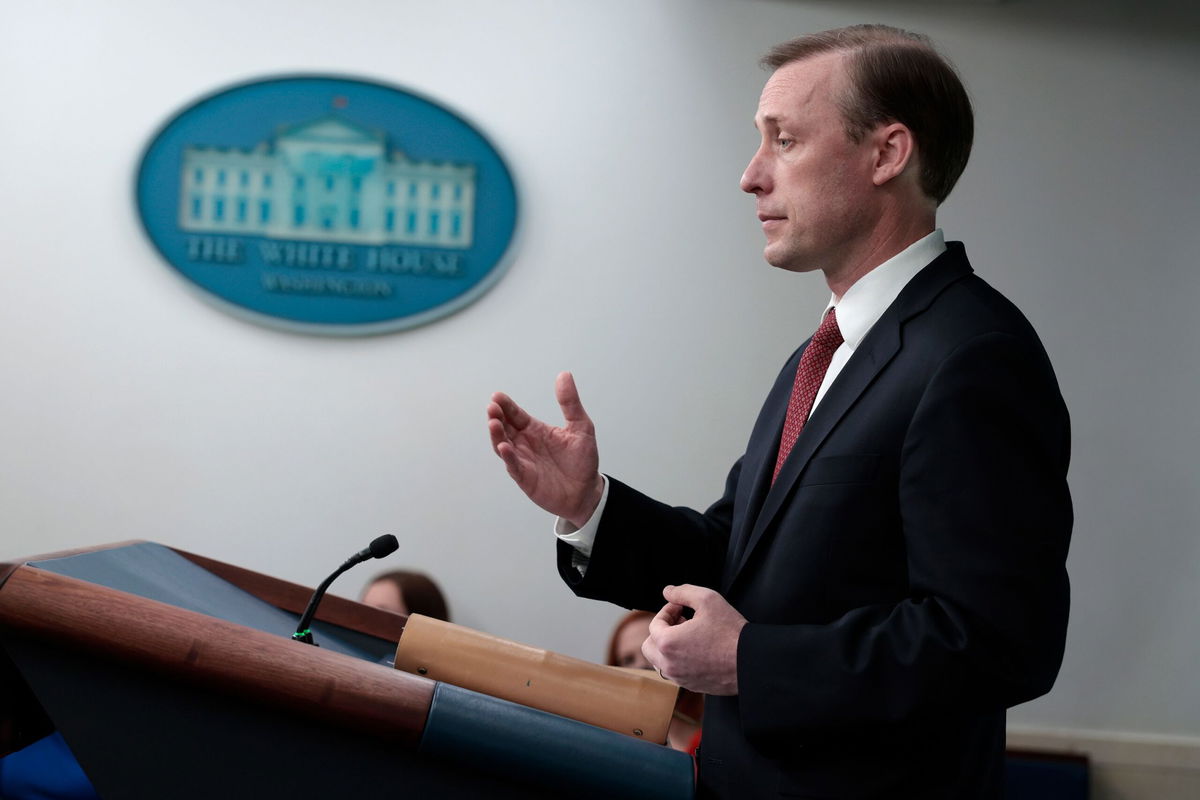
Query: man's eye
<point>783,142</point>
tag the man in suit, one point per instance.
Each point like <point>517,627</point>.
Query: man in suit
<point>885,573</point>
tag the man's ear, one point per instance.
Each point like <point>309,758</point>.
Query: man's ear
<point>895,149</point>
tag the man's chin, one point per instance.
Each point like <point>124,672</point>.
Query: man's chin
<point>787,261</point>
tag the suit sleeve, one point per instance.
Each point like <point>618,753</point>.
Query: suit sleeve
<point>643,545</point>
<point>986,519</point>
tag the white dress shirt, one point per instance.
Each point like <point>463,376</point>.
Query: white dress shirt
<point>857,312</point>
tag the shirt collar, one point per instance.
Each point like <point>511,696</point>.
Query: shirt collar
<point>864,303</point>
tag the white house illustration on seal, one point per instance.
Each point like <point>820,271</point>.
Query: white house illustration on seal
<point>327,180</point>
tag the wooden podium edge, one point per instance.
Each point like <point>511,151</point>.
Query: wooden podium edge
<point>282,594</point>
<point>214,653</point>
<point>636,703</point>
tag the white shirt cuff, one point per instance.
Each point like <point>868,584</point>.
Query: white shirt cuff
<point>582,538</point>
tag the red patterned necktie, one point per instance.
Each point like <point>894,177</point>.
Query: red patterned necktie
<point>813,364</point>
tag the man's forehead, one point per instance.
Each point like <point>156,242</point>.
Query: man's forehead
<point>798,84</point>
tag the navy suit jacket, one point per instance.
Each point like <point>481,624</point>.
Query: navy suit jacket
<point>904,578</point>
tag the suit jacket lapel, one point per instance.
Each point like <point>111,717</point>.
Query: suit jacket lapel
<point>761,452</point>
<point>878,348</point>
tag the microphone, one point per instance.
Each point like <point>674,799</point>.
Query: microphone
<point>383,546</point>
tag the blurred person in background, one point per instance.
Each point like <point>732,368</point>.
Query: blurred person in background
<point>406,592</point>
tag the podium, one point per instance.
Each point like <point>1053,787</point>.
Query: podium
<point>170,674</point>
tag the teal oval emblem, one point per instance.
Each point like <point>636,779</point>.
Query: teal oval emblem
<point>328,205</point>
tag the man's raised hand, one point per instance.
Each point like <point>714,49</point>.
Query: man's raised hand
<point>558,468</point>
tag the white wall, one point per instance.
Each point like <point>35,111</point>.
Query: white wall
<point>130,409</point>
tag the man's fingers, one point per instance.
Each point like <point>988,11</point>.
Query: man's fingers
<point>652,647</point>
<point>503,446</point>
<point>568,400</point>
<point>669,615</point>
<point>687,595</point>
<point>505,409</point>
<point>512,462</point>
<point>652,653</point>
<point>496,431</point>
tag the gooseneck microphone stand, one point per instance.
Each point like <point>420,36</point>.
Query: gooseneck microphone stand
<point>383,546</point>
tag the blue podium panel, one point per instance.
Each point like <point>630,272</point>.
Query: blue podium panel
<point>45,770</point>
<point>141,735</point>
<point>158,573</point>
<point>569,757</point>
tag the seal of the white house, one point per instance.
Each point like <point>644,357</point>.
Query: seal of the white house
<point>328,205</point>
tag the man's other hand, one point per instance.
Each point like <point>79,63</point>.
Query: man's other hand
<point>700,653</point>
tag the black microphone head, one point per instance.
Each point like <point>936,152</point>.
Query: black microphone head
<point>384,546</point>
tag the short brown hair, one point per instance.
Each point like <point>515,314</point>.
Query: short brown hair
<point>897,76</point>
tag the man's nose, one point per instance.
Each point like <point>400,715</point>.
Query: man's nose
<point>755,179</point>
